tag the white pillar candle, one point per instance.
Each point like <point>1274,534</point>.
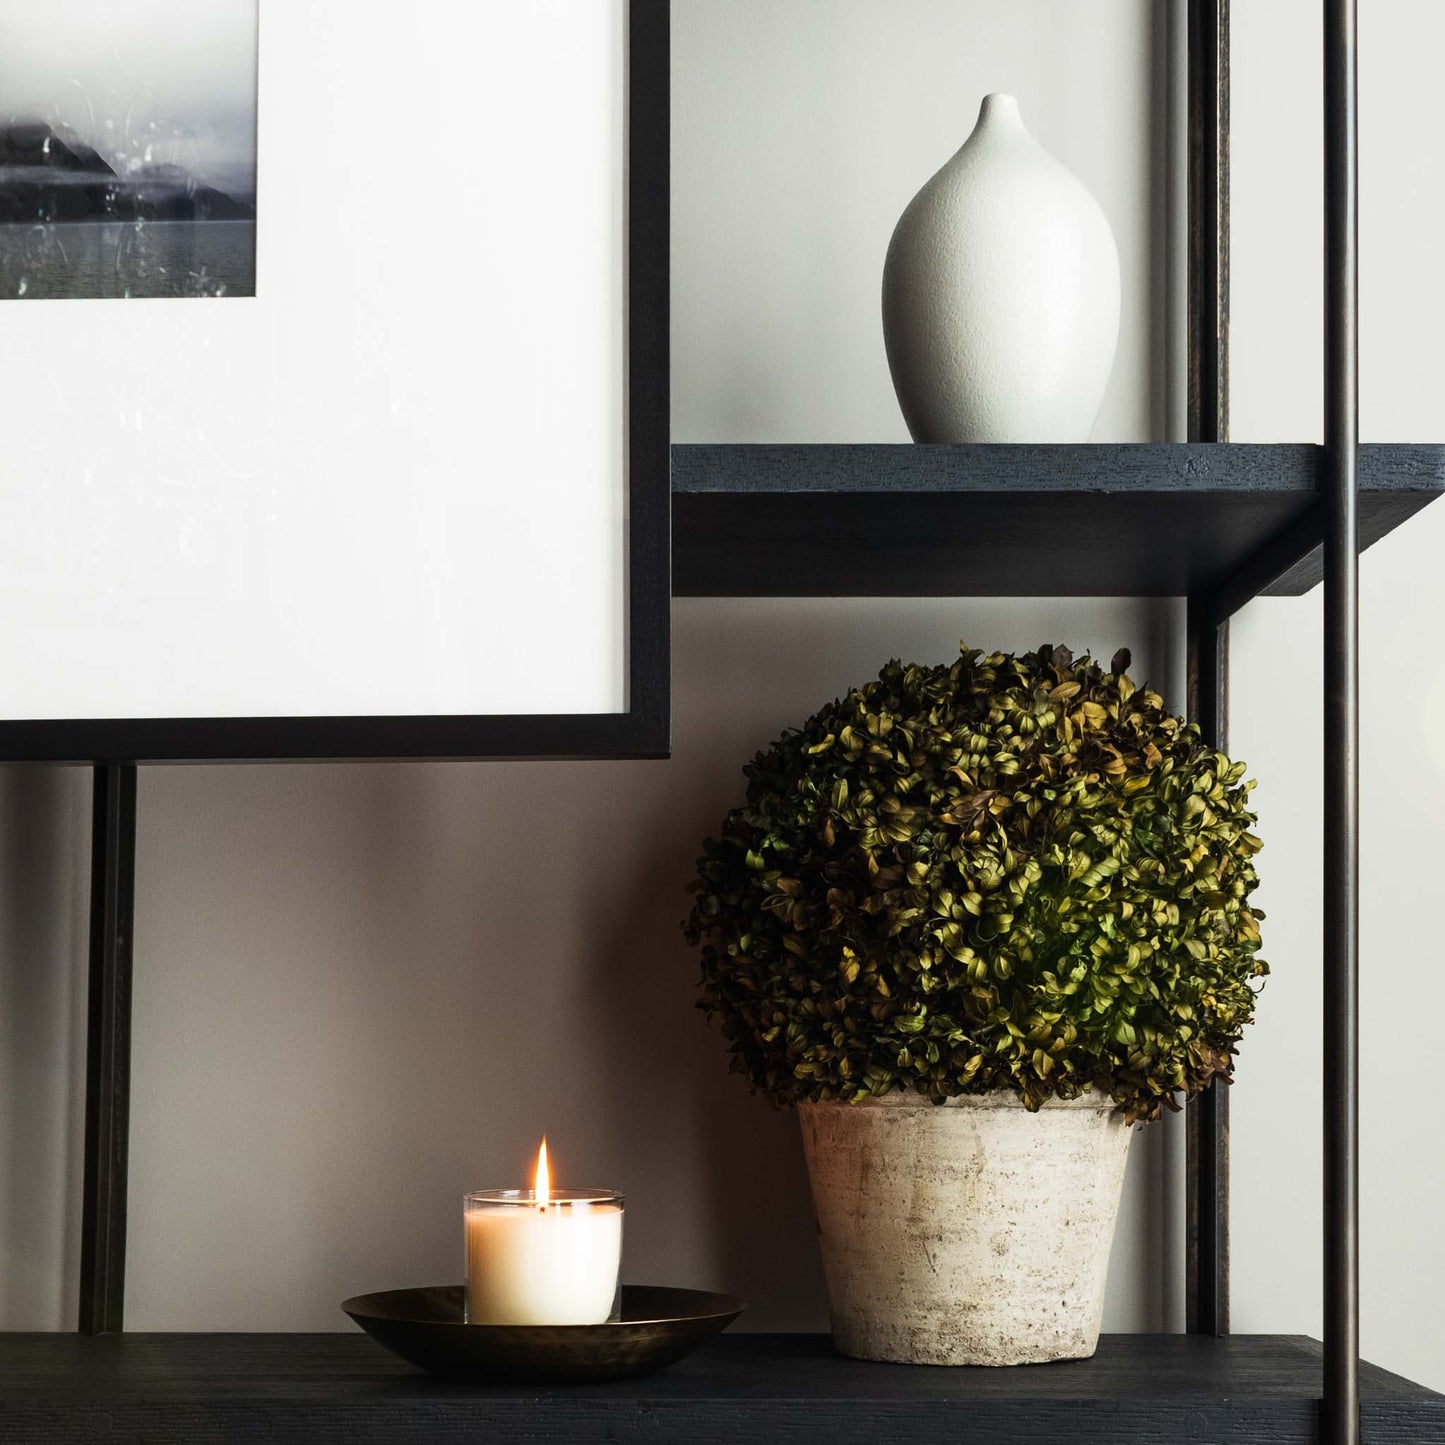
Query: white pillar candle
<point>542,1256</point>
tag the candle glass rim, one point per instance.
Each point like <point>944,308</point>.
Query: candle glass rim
<point>516,1198</point>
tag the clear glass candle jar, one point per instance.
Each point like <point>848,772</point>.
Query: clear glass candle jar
<point>549,1261</point>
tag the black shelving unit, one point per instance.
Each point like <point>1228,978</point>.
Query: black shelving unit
<point>1220,525</point>
<point>1216,523</point>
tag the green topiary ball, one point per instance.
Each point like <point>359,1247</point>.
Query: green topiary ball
<point>1012,873</point>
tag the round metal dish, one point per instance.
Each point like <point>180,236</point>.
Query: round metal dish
<point>427,1328</point>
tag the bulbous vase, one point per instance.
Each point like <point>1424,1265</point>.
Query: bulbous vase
<point>1001,294</point>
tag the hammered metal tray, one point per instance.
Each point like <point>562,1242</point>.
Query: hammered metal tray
<point>427,1328</point>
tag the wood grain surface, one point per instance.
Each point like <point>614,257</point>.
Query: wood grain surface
<point>1138,1390</point>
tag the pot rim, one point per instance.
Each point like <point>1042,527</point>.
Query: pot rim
<point>995,1099</point>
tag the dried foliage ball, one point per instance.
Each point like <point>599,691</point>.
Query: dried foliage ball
<point>1012,873</point>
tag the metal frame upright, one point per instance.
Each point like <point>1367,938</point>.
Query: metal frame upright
<point>107,1065</point>
<point>1334,524</point>
<point>1207,1272</point>
<point>1340,1415</point>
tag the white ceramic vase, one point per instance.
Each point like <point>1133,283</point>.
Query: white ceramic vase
<point>1001,294</point>
<point>965,1233</point>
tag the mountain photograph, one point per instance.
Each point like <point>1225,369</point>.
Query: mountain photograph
<point>127,149</point>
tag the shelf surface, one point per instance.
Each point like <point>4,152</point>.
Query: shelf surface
<point>1138,1390</point>
<point>1019,521</point>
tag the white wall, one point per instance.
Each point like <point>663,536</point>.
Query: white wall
<point>802,130</point>
<point>362,989</point>
<point>44,851</point>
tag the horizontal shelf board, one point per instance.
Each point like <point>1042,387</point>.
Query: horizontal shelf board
<point>1016,521</point>
<point>1138,1390</point>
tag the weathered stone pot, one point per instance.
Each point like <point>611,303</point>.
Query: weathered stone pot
<point>965,1233</point>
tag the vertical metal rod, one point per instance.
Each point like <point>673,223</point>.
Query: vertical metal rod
<point>1208,220</point>
<point>1207,1135</point>
<point>1340,1410</point>
<point>1207,1131</point>
<point>107,1065</point>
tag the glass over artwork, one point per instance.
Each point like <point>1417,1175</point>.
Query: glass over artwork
<point>127,148</point>
<point>384,447</point>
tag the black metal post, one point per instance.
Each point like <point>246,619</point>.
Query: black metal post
<point>1207,1122</point>
<point>1207,1127</point>
<point>1208,220</point>
<point>1340,1410</point>
<point>107,1065</point>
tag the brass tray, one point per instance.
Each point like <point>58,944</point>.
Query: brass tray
<point>427,1328</point>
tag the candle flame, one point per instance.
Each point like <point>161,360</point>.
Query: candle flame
<point>542,1183</point>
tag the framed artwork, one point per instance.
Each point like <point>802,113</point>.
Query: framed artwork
<point>333,379</point>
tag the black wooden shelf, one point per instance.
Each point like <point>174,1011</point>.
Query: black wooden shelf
<point>1021,521</point>
<point>791,1389</point>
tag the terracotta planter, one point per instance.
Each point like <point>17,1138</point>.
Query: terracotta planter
<point>965,1233</point>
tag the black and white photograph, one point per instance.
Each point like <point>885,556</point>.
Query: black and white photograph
<point>127,149</point>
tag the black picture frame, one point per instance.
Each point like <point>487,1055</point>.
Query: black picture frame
<point>643,730</point>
